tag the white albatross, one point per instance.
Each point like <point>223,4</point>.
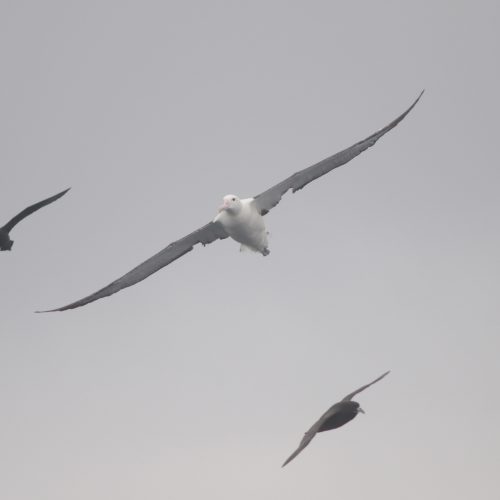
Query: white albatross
<point>240,219</point>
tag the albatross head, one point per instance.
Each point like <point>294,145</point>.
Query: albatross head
<point>232,204</point>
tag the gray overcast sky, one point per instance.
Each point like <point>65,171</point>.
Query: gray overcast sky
<point>200,381</point>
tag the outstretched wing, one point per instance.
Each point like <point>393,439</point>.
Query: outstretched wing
<point>32,208</point>
<point>308,436</point>
<point>357,391</point>
<point>270,198</point>
<point>205,235</point>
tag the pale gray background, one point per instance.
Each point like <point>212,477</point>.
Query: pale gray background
<point>199,382</point>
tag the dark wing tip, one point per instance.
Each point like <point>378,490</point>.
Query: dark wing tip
<point>417,99</point>
<point>401,117</point>
<point>382,376</point>
<point>292,456</point>
<point>100,294</point>
<point>58,195</point>
<point>415,102</point>
<point>73,305</point>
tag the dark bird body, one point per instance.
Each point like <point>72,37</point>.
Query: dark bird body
<point>341,413</point>
<point>239,219</point>
<point>336,416</point>
<point>5,241</point>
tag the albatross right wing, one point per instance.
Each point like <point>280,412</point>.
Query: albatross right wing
<point>205,235</point>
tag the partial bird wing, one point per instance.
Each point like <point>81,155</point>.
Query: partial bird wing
<point>205,235</point>
<point>32,208</point>
<point>357,391</point>
<point>308,436</point>
<point>269,199</point>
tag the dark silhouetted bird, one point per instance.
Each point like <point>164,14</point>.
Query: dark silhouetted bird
<point>336,416</point>
<point>5,241</point>
<point>241,219</point>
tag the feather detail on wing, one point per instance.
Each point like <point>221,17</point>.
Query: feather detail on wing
<point>205,235</point>
<point>270,198</point>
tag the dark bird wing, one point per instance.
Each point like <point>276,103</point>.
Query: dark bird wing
<point>357,391</point>
<point>308,436</point>
<point>270,198</point>
<point>205,235</point>
<point>28,211</point>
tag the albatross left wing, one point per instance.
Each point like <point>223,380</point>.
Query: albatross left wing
<point>269,199</point>
<point>205,235</point>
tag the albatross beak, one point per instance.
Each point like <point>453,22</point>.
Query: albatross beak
<point>360,410</point>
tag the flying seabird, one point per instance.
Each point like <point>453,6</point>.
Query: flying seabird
<point>336,416</point>
<point>5,241</point>
<point>240,219</point>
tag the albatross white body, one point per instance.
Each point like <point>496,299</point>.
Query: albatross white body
<point>243,222</point>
